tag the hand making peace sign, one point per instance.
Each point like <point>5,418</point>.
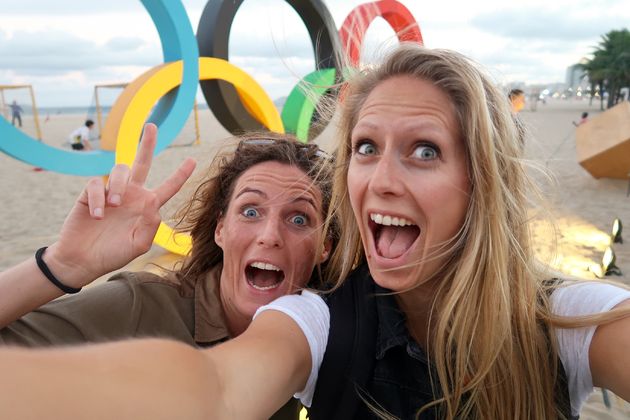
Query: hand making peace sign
<point>111,225</point>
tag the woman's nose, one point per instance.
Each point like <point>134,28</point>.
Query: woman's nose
<point>270,235</point>
<point>387,178</point>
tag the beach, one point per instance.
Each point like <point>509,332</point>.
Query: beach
<point>570,232</point>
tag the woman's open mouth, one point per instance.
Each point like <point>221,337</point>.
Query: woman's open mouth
<point>393,236</point>
<point>263,276</point>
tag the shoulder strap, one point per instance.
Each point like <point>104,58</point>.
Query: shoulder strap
<point>561,388</point>
<point>349,357</point>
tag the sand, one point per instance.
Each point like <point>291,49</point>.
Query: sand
<point>583,208</point>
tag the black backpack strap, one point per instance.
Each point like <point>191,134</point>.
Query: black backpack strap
<point>561,387</point>
<point>349,357</point>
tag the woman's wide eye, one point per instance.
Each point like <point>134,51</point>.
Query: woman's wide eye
<point>249,212</point>
<point>425,152</point>
<point>299,220</point>
<point>366,149</point>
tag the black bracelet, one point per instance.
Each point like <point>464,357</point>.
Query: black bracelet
<point>49,275</point>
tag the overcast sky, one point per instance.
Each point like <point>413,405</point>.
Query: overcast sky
<point>64,47</point>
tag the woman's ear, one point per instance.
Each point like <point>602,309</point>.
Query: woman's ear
<point>326,251</point>
<point>218,233</point>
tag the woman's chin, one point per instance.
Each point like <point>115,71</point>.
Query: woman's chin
<point>396,280</point>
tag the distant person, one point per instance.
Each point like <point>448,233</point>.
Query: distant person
<point>517,99</point>
<point>16,113</point>
<point>583,119</point>
<point>517,103</point>
<point>80,138</point>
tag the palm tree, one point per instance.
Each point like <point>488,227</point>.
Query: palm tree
<point>610,65</point>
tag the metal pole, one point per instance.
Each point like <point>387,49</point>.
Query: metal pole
<point>197,137</point>
<point>35,115</point>
<point>97,104</point>
<point>5,108</point>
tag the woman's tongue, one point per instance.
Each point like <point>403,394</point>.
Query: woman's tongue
<point>264,278</point>
<point>393,241</point>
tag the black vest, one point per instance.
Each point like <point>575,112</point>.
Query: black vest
<point>349,359</point>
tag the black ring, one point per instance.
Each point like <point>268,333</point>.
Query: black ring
<point>213,34</point>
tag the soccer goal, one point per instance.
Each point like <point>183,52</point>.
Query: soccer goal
<point>17,105</point>
<point>106,94</point>
<point>103,98</point>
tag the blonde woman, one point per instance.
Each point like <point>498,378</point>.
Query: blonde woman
<point>444,310</point>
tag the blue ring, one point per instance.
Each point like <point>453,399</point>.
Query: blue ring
<point>178,43</point>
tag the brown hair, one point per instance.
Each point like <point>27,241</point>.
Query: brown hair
<point>200,215</point>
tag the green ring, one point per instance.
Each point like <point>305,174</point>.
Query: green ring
<point>298,110</point>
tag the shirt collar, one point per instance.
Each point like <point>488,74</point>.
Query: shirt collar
<point>392,329</point>
<point>210,325</point>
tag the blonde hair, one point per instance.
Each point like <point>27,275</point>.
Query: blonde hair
<point>490,328</point>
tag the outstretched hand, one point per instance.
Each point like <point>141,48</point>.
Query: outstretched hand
<point>111,225</point>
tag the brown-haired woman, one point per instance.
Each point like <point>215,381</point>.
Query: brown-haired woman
<point>256,222</point>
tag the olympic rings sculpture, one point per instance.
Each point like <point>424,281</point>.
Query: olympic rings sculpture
<point>178,43</point>
<point>236,100</point>
<point>213,34</point>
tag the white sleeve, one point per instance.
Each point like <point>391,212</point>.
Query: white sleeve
<point>582,298</point>
<point>311,313</point>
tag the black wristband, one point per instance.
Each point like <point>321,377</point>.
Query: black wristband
<point>49,275</point>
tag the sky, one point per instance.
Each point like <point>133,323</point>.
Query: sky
<point>65,47</point>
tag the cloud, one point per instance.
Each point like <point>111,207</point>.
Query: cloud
<point>56,51</point>
<point>75,44</point>
<point>65,7</point>
<point>124,43</point>
<point>277,76</point>
<point>531,61</point>
<point>547,24</point>
<point>270,46</point>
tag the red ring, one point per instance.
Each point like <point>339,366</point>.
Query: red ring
<point>356,24</point>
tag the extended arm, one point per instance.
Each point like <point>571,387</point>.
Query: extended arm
<point>107,228</point>
<point>248,377</point>
<point>609,355</point>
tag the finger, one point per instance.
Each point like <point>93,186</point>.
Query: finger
<point>95,191</point>
<point>175,182</point>
<point>117,184</point>
<point>142,162</point>
<point>147,226</point>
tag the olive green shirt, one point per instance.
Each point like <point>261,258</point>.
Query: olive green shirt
<point>128,305</point>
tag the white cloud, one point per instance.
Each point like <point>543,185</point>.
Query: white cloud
<point>74,44</point>
<point>549,23</point>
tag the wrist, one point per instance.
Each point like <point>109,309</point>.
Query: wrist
<point>65,269</point>
<point>43,267</point>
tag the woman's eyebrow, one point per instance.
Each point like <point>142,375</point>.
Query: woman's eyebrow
<point>308,200</point>
<point>365,125</point>
<point>251,190</point>
<point>297,199</point>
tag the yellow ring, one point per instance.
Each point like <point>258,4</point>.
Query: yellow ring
<point>132,109</point>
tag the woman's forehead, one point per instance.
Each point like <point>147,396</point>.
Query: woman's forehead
<point>273,179</point>
<point>407,103</point>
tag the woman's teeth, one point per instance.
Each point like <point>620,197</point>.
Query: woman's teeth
<point>273,286</point>
<point>264,266</point>
<point>264,276</point>
<point>393,236</point>
<point>390,220</point>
